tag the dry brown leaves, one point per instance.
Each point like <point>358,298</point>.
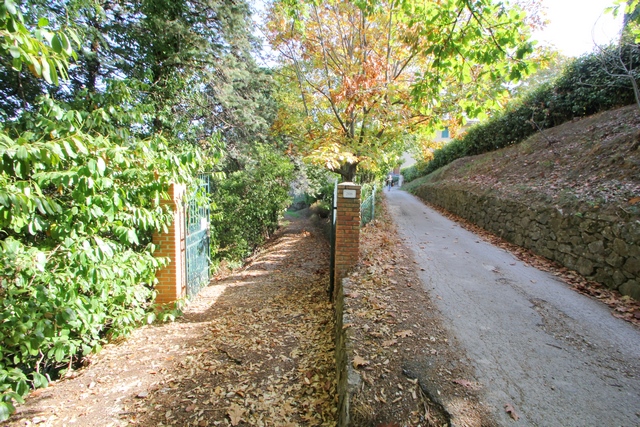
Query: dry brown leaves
<point>592,162</point>
<point>254,349</point>
<point>508,408</point>
<point>394,329</point>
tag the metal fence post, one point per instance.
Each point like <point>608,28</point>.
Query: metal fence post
<point>373,203</point>
<point>332,240</point>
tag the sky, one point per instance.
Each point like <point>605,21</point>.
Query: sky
<point>575,24</point>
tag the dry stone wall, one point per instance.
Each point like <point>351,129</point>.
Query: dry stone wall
<point>601,246</point>
<point>348,379</point>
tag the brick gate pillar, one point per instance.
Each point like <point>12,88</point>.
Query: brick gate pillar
<point>172,284</point>
<point>347,230</point>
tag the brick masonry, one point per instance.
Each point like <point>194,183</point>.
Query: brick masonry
<point>347,254</point>
<point>347,229</point>
<point>171,284</point>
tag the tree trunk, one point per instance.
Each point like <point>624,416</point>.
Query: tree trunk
<point>348,171</point>
<point>93,65</point>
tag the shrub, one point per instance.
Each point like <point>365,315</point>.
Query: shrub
<point>248,204</point>
<point>415,171</point>
<point>77,210</point>
<point>585,87</point>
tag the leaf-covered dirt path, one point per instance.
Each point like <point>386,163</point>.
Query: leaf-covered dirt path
<point>255,348</point>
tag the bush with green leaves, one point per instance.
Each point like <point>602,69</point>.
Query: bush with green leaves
<point>588,85</point>
<point>78,204</point>
<point>248,204</point>
<point>415,171</point>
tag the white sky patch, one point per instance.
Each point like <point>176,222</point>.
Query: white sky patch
<point>576,26</point>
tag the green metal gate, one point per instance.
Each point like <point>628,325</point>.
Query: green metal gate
<point>197,237</point>
<point>332,240</point>
<point>368,208</point>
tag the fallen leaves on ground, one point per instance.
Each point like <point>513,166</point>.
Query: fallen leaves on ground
<point>359,362</point>
<point>253,349</point>
<point>508,408</point>
<point>404,334</point>
<point>235,414</point>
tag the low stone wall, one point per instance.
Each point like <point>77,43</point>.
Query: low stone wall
<point>601,246</point>
<point>348,379</point>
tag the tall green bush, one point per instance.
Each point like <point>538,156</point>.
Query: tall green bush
<point>77,209</point>
<point>248,204</point>
<point>588,85</point>
<point>79,198</point>
<point>415,171</point>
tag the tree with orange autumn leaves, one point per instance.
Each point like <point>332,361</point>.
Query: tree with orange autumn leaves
<point>362,79</point>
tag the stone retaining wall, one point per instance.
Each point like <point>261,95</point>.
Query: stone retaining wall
<point>601,246</point>
<point>348,379</point>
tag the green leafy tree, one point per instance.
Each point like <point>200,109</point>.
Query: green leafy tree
<point>79,199</point>
<point>29,55</point>
<point>368,72</point>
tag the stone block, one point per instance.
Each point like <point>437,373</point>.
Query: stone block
<point>631,288</point>
<point>518,239</point>
<point>543,217</point>
<point>631,233</point>
<point>618,278</point>
<point>547,253</point>
<point>555,223</point>
<point>584,266</point>
<point>603,274</point>
<point>588,238</point>
<point>596,247</point>
<point>620,247</point>
<point>614,260</point>
<point>570,262</point>
<point>632,265</point>
<point>589,226</point>
<point>576,240</point>
<point>565,249</point>
<point>607,232</point>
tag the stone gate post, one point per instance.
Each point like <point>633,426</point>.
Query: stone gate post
<point>172,284</point>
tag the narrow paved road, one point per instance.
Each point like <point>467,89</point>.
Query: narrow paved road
<point>558,357</point>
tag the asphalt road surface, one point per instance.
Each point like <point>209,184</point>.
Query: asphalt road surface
<point>558,357</point>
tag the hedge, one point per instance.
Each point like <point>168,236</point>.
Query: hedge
<point>587,86</point>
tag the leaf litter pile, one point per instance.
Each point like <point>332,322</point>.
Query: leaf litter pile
<point>255,348</point>
<point>412,371</point>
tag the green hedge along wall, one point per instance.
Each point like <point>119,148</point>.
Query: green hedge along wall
<point>590,84</point>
